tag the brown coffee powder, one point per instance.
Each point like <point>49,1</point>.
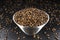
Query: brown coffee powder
<point>30,17</point>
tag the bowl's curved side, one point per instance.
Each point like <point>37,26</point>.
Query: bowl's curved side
<point>17,23</point>
<point>40,27</point>
<point>20,26</point>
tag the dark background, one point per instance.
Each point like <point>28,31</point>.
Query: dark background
<point>10,31</point>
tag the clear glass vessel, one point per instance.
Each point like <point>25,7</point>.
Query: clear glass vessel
<point>31,30</point>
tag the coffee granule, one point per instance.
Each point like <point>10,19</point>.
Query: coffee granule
<point>0,26</point>
<point>18,38</point>
<point>53,29</point>
<point>23,36</point>
<point>30,17</point>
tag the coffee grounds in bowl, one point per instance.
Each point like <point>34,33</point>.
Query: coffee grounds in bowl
<point>31,17</point>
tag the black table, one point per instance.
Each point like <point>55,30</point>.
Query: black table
<point>10,31</point>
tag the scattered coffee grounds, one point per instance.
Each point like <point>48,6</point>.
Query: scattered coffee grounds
<point>18,38</point>
<point>23,36</point>
<point>30,17</point>
<point>53,29</point>
<point>0,26</point>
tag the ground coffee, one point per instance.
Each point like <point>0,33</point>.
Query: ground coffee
<point>31,17</point>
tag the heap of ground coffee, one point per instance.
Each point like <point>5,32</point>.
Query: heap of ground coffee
<point>31,17</point>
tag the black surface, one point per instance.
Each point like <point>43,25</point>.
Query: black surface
<point>10,31</point>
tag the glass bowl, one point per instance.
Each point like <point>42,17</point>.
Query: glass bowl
<point>31,30</point>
